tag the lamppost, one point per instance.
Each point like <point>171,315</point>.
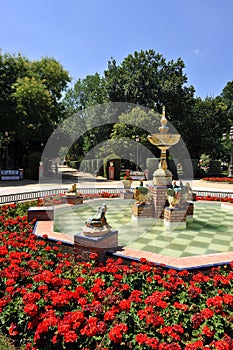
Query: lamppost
<point>137,140</point>
<point>6,138</point>
<point>230,174</point>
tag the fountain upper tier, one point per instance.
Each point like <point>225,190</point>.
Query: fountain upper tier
<point>163,176</point>
<point>164,140</point>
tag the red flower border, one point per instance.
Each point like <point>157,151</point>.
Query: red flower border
<point>50,301</point>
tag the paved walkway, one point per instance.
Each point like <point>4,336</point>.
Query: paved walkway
<point>68,176</point>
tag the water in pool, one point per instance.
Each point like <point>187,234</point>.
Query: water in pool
<point>210,232</point>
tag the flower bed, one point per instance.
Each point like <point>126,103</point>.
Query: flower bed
<point>48,301</point>
<point>51,200</point>
<point>58,199</point>
<point>218,179</point>
<point>214,199</point>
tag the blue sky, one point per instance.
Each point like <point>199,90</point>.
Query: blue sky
<point>84,34</point>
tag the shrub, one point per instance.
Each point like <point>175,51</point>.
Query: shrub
<point>215,168</point>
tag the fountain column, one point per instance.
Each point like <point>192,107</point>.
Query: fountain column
<point>162,177</point>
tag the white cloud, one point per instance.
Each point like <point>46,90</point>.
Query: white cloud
<point>197,52</point>
<point>201,52</point>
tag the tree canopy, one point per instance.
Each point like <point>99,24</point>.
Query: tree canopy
<point>146,78</point>
<point>34,100</point>
<point>30,100</point>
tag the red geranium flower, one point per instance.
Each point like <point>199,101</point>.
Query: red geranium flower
<point>116,333</point>
<point>206,330</point>
<point>31,309</point>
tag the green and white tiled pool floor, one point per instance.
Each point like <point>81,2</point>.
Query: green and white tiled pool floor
<point>210,232</point>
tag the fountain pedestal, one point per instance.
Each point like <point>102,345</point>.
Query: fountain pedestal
<point>97,237</point>
<point>163,190</point>
<point>84,245</point>
<point>127,181</point>
<point>159,198</point>
<point>190,211</point>
<point>142,211</point>
<point>74,199</point>
<point>126,194</point>
<point>175,217</point>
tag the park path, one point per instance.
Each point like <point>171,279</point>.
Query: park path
<point>70,176</point>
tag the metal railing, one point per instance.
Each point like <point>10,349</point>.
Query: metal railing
<point>220,194</point>
<point>26,196</point>
<point>96,190</point>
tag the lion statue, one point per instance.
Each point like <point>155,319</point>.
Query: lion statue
<point>141,194</point>
<point>174,197</point>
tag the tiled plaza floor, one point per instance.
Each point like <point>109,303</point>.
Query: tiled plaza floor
<point>210,232</point>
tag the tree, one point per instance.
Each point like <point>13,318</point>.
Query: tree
<point>208,121</point>
<point>55,79</point>
<point>85,93</point>
<point>33,108</point>
<point>30,106</point>
<point>146,78</point>
<point>134,126</point>
<point>138,122</point>
<point>11,68</point>
<point>227,97</point>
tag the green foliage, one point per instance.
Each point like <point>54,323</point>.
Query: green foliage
<point>148,79</point>
<point>207,122</point>
<point>6,344</point>
<point>32,112</point>
<point>200,173</point>
<point>30,106</point>
<point>85,93</point>
<point>215,168</point>
<point>137,122</point>
<point>51,73</point>
<point>34,161</point>
<point>145,78</point>
<point>74,164</point>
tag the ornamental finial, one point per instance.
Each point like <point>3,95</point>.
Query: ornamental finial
<point>164,111</point>
<point>163,128</point>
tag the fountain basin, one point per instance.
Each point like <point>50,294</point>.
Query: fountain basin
<point>164,140</point>
<point>209,233</point>
<point>207,241</point>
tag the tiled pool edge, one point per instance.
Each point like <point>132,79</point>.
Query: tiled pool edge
<point>185,263</point>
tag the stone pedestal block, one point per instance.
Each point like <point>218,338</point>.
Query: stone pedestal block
<point>40,213</point>
<point>142,210</point>
<point>159,194</point>
<point>74,200</point>
<point>63,200</point>
<point>175,217</point>
<point>126,195</point>
<point>190,211</point>
<point>84,246</point>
